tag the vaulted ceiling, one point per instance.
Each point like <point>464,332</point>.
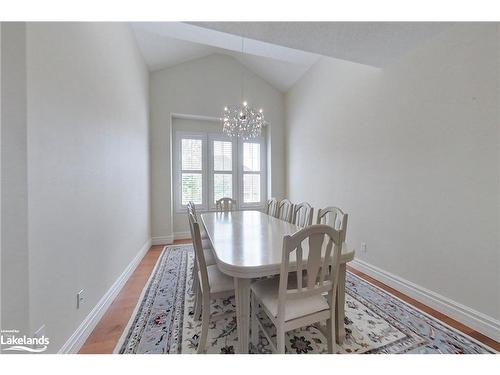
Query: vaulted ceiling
<point>371,43</point>
<point>281,52</point>
<point>164,44</point>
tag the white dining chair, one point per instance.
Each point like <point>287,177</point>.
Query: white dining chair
<point>296,299</point>
<point>213,283</point>
<point>334,217</point>
<point>271,206</point>
<point>209,260</point>
<point>205,240</point>
<point>225,205</point>
<point>285,210</point>
<point>302,214</point>
<point>192,208</point>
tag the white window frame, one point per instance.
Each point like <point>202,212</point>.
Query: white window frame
<point>179,135</point>
<point>263,173</point>
<point>208,172</point>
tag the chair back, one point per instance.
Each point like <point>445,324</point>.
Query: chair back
<point>191,208</point>
<point>334,217</point>
<point>271,207</point>
<point>302,214</point>
<point>313,275</point>
<point>198,253</point>
<point>225,205</point>
<point>285,210</point>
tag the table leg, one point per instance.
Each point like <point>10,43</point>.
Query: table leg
<point>340,306</point>
<point>242,294</point>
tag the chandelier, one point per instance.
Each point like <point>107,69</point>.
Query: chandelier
<point>242,121</point>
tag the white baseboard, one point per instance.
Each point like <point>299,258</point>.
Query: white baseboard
<point>163,240</point>
<point>78,338</point>
<point>168,240</point>
<point>182,235</point>
<point>476,320</point>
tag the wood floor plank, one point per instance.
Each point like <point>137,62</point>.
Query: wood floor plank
<point>109,330</point>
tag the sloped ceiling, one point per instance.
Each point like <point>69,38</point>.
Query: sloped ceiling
<point>162,52</point>
<point>165,44</point>
<point>281,52</point>
<point>371,43</point>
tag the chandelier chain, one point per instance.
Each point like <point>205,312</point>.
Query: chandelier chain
<point>242,121</point>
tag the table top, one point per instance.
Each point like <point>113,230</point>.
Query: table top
<point>249,244</point>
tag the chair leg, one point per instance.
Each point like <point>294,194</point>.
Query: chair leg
<point>197,293</point>
<point>331,324</point>
<point>280,338</point>
<point>198,302</point>
<point>332,343</point>
<point>194,272</point>
<point>196,287</point>
<point>254,324</point>
<point>204,323</point>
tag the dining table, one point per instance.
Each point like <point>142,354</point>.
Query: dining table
<point>248,245</point>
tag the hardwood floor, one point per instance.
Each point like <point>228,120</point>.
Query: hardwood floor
<point>108,331</point>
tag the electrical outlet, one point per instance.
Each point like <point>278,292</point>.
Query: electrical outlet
<point>80,298</point>
<point>363,247</point>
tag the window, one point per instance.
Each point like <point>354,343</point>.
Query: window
<point>190,176</point>
<point>192,171</point>
<point>251,173</point>
<point>192,187</point>
<point>251,188</point>
<point>210,166</point>
<point>222,182</point>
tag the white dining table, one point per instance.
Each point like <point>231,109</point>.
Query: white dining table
<point>248,245</point>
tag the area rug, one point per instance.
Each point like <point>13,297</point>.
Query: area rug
<point>375,322</point>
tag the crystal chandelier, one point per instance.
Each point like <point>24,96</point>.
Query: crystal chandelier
<point>242,121</point>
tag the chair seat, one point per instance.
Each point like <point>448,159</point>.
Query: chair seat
<point>267,291</point>
<point>209,257</point>
<point>219,282</point>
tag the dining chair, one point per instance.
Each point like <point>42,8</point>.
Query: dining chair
<point>213,283</point>
<point>296,299</point>
<point>302,214</point>
<point>209,260</point>
<point>225,205</point>
<point>271,206</point>
<point>206,244</point>
<point>285,210</point>
<point>192,208</point>
<point>334,217</point>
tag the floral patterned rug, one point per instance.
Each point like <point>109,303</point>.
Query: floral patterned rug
<point>375,322</point>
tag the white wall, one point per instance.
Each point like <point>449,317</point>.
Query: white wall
<point>203,87</point>
<point>1,273</point>
<point>411,153</point>
<point>88,166</point>
<point>14,257</point>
